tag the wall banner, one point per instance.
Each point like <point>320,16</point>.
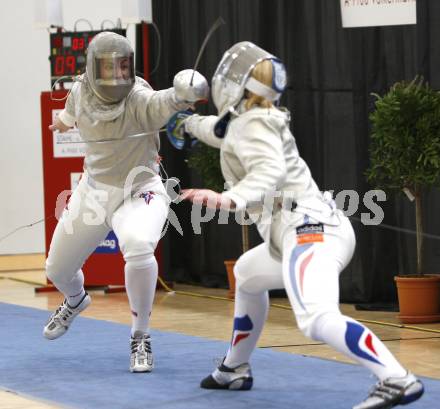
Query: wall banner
<point>367,13</point>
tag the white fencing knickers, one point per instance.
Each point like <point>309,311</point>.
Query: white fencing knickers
<point>313,255</point>
<point>93,210</point>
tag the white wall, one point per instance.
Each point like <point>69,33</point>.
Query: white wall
<point>24,73</point>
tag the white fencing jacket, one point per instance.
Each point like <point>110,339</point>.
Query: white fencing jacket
<point>266,176</point>
<point>145,111</point>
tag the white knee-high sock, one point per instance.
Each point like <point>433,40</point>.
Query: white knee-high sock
<point>356,341</point>
<point>73,290</point>
<point>140,283</point>
<point>249,317</point>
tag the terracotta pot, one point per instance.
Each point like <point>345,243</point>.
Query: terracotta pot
<point>419,298</point>
<point>229,264</point>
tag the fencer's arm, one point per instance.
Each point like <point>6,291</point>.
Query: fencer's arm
<point>66,119</point>
<point>59,125</point>
<point>202,128</point>
<point>152,109</point>
<point>260,151</point>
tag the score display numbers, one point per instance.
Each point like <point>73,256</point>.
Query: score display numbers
<point>68,53</point>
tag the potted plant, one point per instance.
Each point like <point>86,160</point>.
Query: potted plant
<point>206,161</point>
<point>405,156</point>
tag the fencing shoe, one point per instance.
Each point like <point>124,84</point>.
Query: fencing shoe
<point>392,392</point>
<point>238,378</point>
<point>141,357</point>
<point>61,319</point>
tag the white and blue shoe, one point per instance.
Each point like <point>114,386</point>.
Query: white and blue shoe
<point>238,378</point>
<point>392,392</point>
<point>59,322</point>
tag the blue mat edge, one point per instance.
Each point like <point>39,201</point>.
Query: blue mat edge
<point>207,340</point>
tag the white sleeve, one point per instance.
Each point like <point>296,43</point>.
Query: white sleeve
<point>66,118</point>
<point>68,114</point>
<point>202,128</point>
<point>259,148</point>
<point>152,109</point>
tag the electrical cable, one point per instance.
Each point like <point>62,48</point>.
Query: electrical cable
<point>25,226</point>
<point>159,48</point>
<point>23,280</point>
<point>107,21</point>
<point>85,20</point>
<point>395,228</point>
<point>285,307</point>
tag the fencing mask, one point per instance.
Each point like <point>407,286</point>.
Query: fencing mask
<point>232,78</point>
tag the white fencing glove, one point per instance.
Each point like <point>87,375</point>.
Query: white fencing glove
<point>190,92</point>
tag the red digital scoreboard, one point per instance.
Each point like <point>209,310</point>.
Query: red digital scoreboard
<point>68,53</point>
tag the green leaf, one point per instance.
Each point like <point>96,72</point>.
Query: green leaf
<point>405,136</point>
<point>205,160</point>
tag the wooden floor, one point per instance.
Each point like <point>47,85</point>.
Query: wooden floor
<point>417,349</point>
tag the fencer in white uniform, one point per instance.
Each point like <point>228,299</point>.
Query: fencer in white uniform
<point>307,240</point>
<point>120,189</point>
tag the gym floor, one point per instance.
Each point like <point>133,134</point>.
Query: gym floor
<point>208,313</point>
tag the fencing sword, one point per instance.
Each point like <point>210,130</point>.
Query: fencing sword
<point>138,135</point>
<point>217,23</point>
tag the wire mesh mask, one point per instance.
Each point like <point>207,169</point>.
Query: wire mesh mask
<point>232,77</point>
<point>110,67</point>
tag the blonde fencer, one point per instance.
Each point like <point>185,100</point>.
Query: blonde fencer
<point>307,240</point>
